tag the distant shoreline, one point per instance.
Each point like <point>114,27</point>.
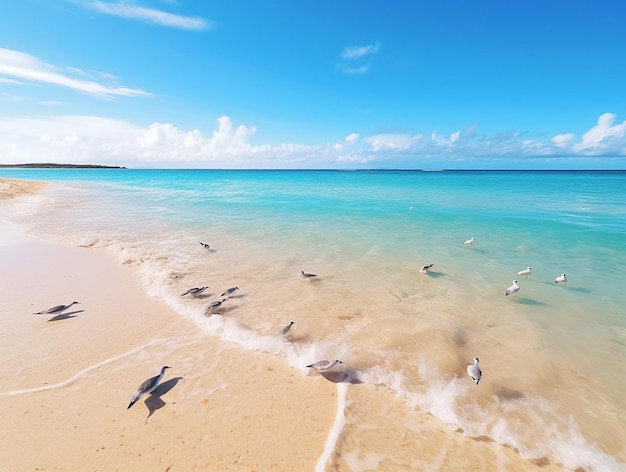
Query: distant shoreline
<point>57,166</point>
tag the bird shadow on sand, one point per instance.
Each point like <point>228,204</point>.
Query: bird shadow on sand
<point>579,289</point>
<point>297,338</point>
<point>154,401</point>
<point>508,394</point>
<point>65,316</point>
<point>460,336</point>
<point>479,251</point>
<point>530,301</point>
<point>314,280</point>
<point>224,310</point>
<point>345,376</point>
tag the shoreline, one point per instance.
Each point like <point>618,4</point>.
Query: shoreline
<point>96,358</point>
<point>218,408</point>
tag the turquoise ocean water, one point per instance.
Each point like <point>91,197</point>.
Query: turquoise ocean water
<point>552,355</point>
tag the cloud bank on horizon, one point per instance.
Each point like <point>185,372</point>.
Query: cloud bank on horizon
<point>93,139</point>
<point>82,133</point>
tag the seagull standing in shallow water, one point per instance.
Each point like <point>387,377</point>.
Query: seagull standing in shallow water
<point>426,268</point>
<point>469,242</point>
<point>229,292</point>
<point>194,291</point>
<point>526,272</point>
<point>512,289</point>
<point>474,371</point>
<point>204,245</point>
<point>147,386</point>
<point>561,279</point>
<point>214,305</point>
<point>323,366</point>
<point>55,309</point>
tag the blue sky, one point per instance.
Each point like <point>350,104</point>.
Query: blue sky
<point>314,84</point>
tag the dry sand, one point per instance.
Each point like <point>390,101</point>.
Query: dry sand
<point>65,385</point>
<point>11,188</point>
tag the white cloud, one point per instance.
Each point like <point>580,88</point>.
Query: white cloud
<point>162,141</point>
<point>92,139</point>
<point>391,142</point>
<point>445,140</point>
<point>129,11</point>
<point>604,136</point>
<point>355,52</point>
<point>358,59</point>
<point>352,138</point>
<point>19,65</point>
<point>562,140</point>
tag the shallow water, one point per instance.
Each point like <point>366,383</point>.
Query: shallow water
<point>552,355</point>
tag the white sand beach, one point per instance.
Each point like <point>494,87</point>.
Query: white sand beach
<point>66,382</point>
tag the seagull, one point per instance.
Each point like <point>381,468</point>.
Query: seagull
<point>512,289</point>
<point>526,272</point>
<point>55,309</point>
<point>469,242</point>
<point>194,291</point>
<point>412,207</point>
<point>285,330</point>
<point>147,386</point>
<point>204,245</point>
<point>474,371</point>
<point>323,366</point>
<point>307,274</point>
<point>212,306</point>
<point>229,292</point>
<point>426,268</point>
<point>561,279</point>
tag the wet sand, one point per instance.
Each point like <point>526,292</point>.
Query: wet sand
<point>67,380</point>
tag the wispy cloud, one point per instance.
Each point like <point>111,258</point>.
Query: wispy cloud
<point>354,52</point>
<point>4,80</point>
<point>28,69</point>
<point>358,59</point>
<point>130,11</point>
<point>7,97</point>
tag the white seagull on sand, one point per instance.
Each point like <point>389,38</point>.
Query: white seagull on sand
<point>147,386</point>
<point>55,309</point>
<point>426,268</point>
<point>194,291</point>
<point>204,245</point>
<point>561,279</point>
<point>512,289</point>
<point>474,371</point>
<point>526,272</point>
<point>469,242</point>
<point>323,366</point>
<point>307,274</point>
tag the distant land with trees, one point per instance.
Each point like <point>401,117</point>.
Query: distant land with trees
<point>57,166</point>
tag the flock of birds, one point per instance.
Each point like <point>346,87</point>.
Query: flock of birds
<point>473,369</point>
<point>149,385</point>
